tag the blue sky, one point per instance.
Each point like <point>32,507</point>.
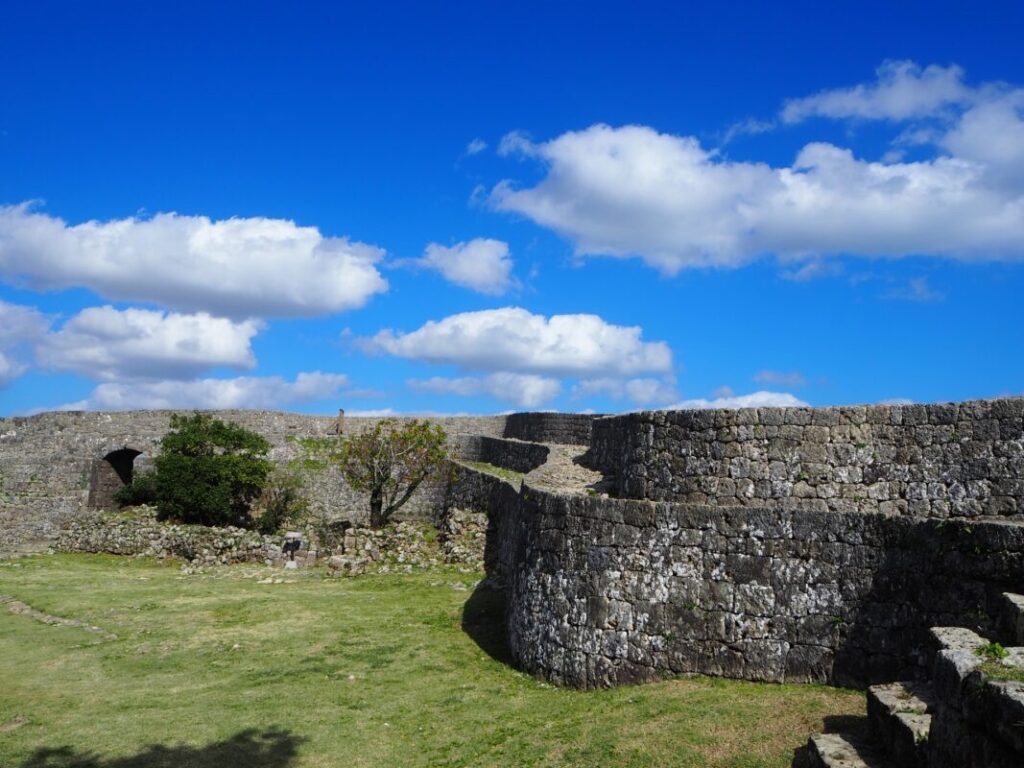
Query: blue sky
<point>481,208</point>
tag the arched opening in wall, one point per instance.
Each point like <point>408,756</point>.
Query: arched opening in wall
<point>112,472</point>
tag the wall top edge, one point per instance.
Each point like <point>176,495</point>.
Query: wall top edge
<point>246,412</point>
<point>1017,400</point>
<point>43,415</point>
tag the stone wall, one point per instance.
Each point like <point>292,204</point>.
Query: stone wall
<point>460,540</point>
<point>517,455</point>
<point>609,591</point>
<point>956,459</point>
<point>472,490</point>
<point>140,534</point>
<point>48,462</point>
<point>542,427</point>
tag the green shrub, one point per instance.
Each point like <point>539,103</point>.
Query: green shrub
<point>141,490</point>
<point>282,502</point>
<point>209,471</point>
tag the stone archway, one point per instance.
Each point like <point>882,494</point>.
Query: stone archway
<point>109,474</point>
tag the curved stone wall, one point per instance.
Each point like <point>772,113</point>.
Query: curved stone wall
<point>517,455</point>
<point>955,459</point>
<point>609,591</point>
<point>542,427</point>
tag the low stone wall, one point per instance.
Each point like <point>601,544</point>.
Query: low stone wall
<point>565,428</point>
<point>517,455</point>
<point>955,459</point>
<point>460,541</point>
<point>140,534</point>
<point>609,591</point>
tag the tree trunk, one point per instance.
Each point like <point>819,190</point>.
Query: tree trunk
<point>377,508</point>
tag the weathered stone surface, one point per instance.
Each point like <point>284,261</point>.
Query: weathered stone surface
<point>140,534</point>
<point>404,545</point>
<point>943,460</point>
<point>1013,616</point>
<point>516,455</point>
<point>567,428</point>
<point>833,750</point>
<point>978,719</point>
<point>760,594</point>
<point>50,463</point>
<point>901,719</point>
<point>23,609</point>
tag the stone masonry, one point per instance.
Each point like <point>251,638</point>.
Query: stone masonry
<point>946,460</point>
<point>53,464</point>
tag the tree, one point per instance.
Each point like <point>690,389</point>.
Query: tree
<point>281,503</point>
<point>389,462</point>
<point>208,471</point>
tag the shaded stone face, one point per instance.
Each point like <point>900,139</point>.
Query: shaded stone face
<point>109,475</point>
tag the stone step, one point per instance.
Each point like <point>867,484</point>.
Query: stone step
<point>1013,616</point>
<point>955,670</point>
<point>900,715</point>
<point>834,750</point>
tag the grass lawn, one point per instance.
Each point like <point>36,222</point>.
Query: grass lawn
<point>217,669</point>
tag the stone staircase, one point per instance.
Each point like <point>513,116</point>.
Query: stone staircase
<point>964,716</point>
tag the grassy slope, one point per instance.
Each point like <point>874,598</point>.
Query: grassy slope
<point>360,672</point>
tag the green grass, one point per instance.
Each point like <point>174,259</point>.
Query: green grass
<point>993,670</point>
<point>505,474</point>
<point>215,669</point>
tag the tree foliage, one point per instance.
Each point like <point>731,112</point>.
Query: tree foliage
<point>208,471</point>
<point>389,462</point>
<point>281,503</point>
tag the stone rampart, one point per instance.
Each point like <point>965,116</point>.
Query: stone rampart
<point>608,591</point>
<point>954,459</point>
<point>50,463</point>
<point>517,455</point>
<point>543,427</point>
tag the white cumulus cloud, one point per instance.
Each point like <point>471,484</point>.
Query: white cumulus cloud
<point>761,399</point>
<point>515,340</point>
<point>239,267</point>
<point>641,391</point>
<point>991,134</point>
<point>242,392</point>
<point>20,328</point>
<point>902,91</point>
<point>480,264</point>
<point>632,191</point>
<point>521,389</point>
<point>108,343</point>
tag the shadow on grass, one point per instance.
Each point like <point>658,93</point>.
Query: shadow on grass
<point>483,619</point>
<point>272,748</point>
